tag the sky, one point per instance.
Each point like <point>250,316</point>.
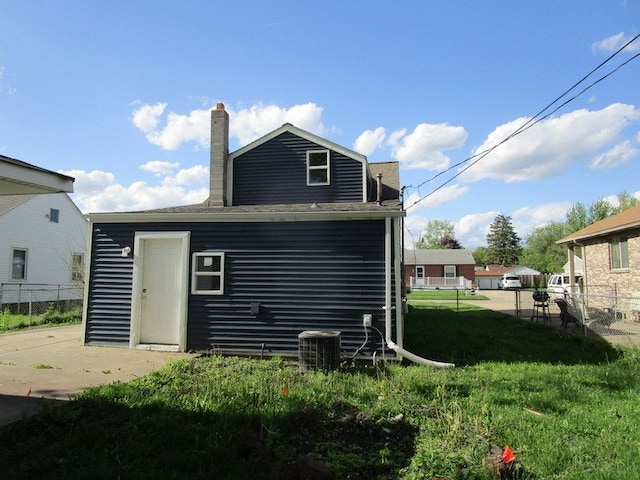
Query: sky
<point>117,95</point>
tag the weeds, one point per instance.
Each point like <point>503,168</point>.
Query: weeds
<point>566,406</point>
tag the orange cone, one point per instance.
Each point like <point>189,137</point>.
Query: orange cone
<point>507,455</point>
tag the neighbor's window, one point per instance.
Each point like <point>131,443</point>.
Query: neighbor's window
<point>619,250</point>
<point>450,271</point>
<point>318,167</point>
<point>54,215</point>
<point>77,266</point>
<point>18,264</point>
<point>208,273</point>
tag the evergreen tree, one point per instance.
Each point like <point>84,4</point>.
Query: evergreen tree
<point>503,244</point>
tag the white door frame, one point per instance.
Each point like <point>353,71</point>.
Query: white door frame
<point>136,290</point>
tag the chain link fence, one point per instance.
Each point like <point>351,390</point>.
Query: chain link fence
<point>35,299</point>
<point>600,311</point>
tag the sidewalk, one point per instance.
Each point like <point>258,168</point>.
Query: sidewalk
<point>51,364</point>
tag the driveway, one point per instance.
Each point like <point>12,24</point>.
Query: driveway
<point>51,364</point>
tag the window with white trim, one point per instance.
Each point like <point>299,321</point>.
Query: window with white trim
<point>19,259</point>
<point>450,271</point>
<point>619,252</point>
<point>318,171</point>
<point>77,267</point>
<point>207,275</point>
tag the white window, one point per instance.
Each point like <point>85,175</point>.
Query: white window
<point>207,273</point>
<point>450,271</point>
<point>77,266</point>
<point>318,172</point>
<point>18,264</point>
<point>619,250</point>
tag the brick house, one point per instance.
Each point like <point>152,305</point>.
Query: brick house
<point>610,253</point>
<point>446,268</point>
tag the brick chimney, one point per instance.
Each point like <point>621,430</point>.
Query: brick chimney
<point>219,155</point>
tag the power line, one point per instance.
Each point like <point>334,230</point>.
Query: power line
<point>538,117</point>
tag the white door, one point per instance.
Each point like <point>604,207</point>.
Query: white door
<point>159,290</point>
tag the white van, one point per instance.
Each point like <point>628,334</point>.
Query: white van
<point>559,283</point>
<point>510,282</point>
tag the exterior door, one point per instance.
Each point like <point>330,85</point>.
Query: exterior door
<point>160,290</point>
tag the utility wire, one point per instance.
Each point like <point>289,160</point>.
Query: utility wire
<point>530,122</point>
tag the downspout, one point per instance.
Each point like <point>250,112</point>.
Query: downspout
<point>387,308</point>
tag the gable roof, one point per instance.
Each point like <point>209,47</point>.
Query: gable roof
<point>9,202</point>
<point>438,257</point>
<point>626,220</point>
<point>499,270</point>
<point>18,177</point>
<point>288,128</point>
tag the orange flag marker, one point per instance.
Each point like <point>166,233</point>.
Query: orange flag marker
<point>507,455</point>
<point>29,392</point>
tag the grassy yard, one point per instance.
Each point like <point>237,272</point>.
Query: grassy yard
<point>443,295</point>
<point>567,406</point>
<point>13,321</point>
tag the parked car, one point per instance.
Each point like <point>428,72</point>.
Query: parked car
<point>559,282</point>
<point>510,282</point>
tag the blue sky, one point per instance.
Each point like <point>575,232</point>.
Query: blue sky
<point>117,94</point>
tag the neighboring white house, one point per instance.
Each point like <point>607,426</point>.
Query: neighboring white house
<point>42,248</point>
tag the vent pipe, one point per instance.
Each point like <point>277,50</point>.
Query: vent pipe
<point>379,189</point>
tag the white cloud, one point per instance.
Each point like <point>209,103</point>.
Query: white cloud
<point>196,175</point>
<point>245,125</point>
<point>146,117</point>
<point>98,191</point>
<point>618,155</point>
<point>551,146</point>
<point>251,123</point>
<point>471,230</point>
<point>439,197</point>
<point>158,167</point>
<point>179,129</point>
<point>369,141</point>
<point>614,43</point>
<point>423,147</point>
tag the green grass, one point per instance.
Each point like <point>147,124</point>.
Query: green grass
<point>443,295</point>
<point>12,321</point>
<point>567,405</point>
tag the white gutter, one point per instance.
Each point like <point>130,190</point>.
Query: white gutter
<point>387,308</point>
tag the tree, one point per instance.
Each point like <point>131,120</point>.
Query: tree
<point>625,201</point>
<point>435,231</point>
<point>541,251</point>
<point>503,243</point>
<point>450,243</point>
<point>577,218</point>
<point>480,256</point>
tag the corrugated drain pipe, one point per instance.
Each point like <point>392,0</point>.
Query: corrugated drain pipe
<point>387,318</point>
<point>415,358</point>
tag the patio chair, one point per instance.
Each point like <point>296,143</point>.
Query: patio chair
<point>566,317</point>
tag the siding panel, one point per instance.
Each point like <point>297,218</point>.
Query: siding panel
<point>276,173</point>
<point>333,276</point>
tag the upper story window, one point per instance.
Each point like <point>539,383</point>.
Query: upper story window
<point>318,172</point>
<point>54,215</point>
<point>18,264</point>
<point>619,253</point>
<point>207,276</point>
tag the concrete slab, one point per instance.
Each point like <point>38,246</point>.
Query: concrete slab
<point>51,364</point>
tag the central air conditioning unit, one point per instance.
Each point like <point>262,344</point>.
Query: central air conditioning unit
<point>319,350</point>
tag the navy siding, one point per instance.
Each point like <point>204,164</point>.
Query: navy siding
<point>304,275</point>
<point>276,173</point>
<point>110,281</point>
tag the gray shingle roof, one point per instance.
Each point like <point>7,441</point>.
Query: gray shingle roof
<point>438,257</point>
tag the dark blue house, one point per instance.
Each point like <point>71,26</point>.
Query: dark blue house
<point>298,234</point>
